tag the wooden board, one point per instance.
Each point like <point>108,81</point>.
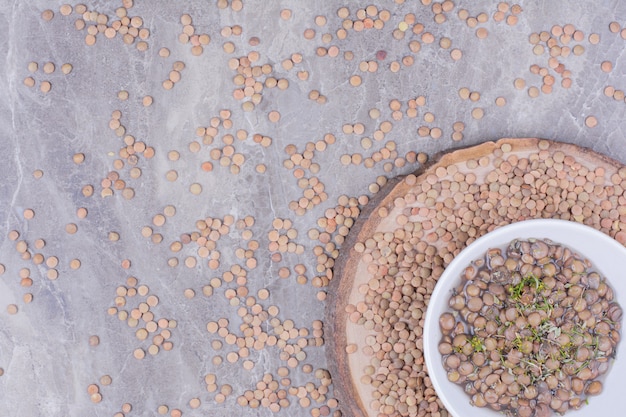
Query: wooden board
<point>379,215</point>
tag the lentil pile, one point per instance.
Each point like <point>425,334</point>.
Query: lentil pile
<point>532,331</point>
<point>418,231</point>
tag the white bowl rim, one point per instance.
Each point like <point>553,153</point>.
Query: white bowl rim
<point>540,229</point>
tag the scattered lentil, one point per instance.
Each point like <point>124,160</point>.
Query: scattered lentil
<point>591,121</point>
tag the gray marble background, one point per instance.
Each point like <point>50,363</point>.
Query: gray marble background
<point>44,350</point>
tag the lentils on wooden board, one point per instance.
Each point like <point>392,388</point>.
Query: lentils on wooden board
<point>433,224</point>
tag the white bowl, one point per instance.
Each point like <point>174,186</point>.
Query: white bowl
<point>607,256</point>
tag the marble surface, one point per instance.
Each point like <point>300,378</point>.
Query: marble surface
<point>45,354</point>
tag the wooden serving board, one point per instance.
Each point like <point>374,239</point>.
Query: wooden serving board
<point>605,209</point>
